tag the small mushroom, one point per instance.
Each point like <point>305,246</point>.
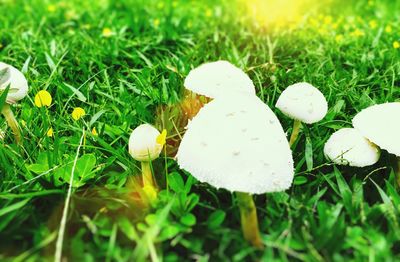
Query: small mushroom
<point>380,124</point>
<point>145,145</point>
<point>303,103</point>
<point>232,159</point>
<point>218,79</point>
<point>12,77</point>
<point>348,147</point>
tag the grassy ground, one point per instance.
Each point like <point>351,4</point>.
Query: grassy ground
<point>121,60</point>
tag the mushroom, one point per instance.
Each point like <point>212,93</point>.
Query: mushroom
<point>145,145</point>
<point>218,79</point>
<point>237,143</point>
<point>348,147</point>
<point>380,124</point>
<point>303,103</point>
<point>10,76</point>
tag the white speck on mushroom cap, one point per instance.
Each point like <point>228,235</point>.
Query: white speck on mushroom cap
<point>381,125</point>
<point>303,102</point>
<point>217,79</point>
<point>348,147</point>
<point>143,144</point>
<point>18,84</point>
<point>232,155</point>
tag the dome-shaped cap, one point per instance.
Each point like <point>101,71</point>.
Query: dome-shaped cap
<point>303,102</point>
<point>348,147</point>
<point>145,143</point>
<point>381,125</point>
<point>217,79</point>
<point>237,143</point>
<point>18,84</point>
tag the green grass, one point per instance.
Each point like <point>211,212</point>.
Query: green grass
<point>330,213</point>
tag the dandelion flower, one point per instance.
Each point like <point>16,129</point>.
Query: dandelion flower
<point>50,132</point>
<point>156,22</point>
<point>373,24</point>
<point>107,32</point>
<point>77,113</point>
<point>388,29</point>
<point>94,131</point>
<point>43,98</point>
<point>396,44</point>
<point>357,33</point>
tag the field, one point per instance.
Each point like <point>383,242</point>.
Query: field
<point>123,63</point>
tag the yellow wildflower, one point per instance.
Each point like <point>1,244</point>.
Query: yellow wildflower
<point>162,137</point>
<point>156,22</point>
<point>373,24</point>
<point>77,113</point>
<point>51,8</point>
<point>50,132</point>
<point>328,20</point>
<point>396,44</point>
<point>94,131</point>
<point>107,32</point>
<point>43,98</point>
<point>388,29</point>
<point>339,38</point>
<point>357,33</point>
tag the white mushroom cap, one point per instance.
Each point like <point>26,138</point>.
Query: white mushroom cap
<point>348,147</point>
<point>18,84</point>
<point>217,79</point>
<point>237,143</point>
<point>303,102</point>
<point>381,125</point>
<point>143,144</point>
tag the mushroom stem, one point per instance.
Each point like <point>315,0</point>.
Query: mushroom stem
<point>248,218</point>
<point>295,132</point>
<point>147,175</point>
<point>12,122</point>
<point>397,172</point>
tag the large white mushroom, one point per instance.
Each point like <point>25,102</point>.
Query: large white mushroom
<point>381,125</point>
<point>218,79</point>
<point>348,147</point>
<point>303,103</point>
<point>18,89</point>
<point>237,143</point>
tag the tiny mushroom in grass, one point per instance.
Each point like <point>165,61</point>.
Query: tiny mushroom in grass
<point>18,89</point>
<point>218,79</point>
<point>348,147</point>
<point>237,143</point>
<point>380,124</point>
<point>145,145</point>
<point>303,103</point>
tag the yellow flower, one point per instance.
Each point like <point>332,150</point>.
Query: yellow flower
<point>339,38</point>
<point>208,12</point>
<point>328,19</point>
<point>162,137</point>
<point>388,29</point>
<point>396,44</point>
<point>357,33</point>
<point>94,132</point>
<point>43,98</point>
<point>51,8</point>
<point>156,22</point>
<point>107,32</point>
<point>373,24</point>
<point>50,132</point>
<point>77,113</point>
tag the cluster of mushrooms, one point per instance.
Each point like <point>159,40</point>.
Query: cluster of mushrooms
<point>236,142</point>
